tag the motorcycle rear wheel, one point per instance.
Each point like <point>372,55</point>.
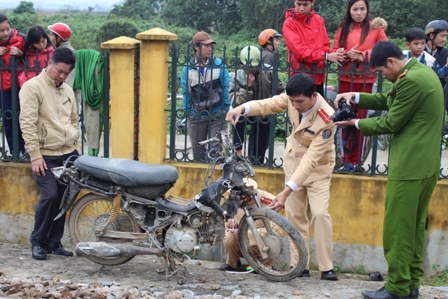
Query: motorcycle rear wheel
<point>90,213</point>
<point>287,253</point>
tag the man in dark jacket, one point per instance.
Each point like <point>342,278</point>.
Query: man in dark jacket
<point>205,88</point>
<point>436,32</point>
<point>11,44</point>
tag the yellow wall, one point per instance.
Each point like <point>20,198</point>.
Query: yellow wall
<point>356,206</point>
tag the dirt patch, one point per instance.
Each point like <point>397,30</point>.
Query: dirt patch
<point>139,278</point>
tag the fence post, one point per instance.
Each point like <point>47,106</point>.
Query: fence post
<point>154,51</point>
<point>122,60</point>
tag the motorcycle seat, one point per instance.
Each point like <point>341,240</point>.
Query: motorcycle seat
<point>126,172</point>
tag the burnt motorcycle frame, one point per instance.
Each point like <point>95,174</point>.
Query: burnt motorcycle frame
<point>131,206</point>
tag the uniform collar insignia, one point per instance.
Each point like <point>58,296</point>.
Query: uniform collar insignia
<point>403,74</point>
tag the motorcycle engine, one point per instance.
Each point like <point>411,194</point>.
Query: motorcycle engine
<point>182,239</point>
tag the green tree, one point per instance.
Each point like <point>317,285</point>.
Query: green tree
<point>24,7</point>
<point>115,28</point>
<point>132,9</point>
<point>265,14</point>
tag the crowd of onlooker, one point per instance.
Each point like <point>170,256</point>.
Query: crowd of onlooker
<point>208,95</point>
<point>32,51</point>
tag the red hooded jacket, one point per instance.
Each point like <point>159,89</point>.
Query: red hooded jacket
<point>16,39</point>
<point>33,70</point>
<point>375,35</point>
<point>307,41</point>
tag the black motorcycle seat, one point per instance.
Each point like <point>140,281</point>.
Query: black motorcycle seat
<point>126,172</point>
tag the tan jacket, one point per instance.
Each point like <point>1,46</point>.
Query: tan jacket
<point>309,154</point>
<point>48,118</point>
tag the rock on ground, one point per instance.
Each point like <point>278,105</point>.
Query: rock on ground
<point>76,277</point>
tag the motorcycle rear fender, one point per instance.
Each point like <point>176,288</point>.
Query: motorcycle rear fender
<point>70,194</point>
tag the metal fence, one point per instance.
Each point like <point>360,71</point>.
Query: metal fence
<point>373,152</point>
<point>10,150</point>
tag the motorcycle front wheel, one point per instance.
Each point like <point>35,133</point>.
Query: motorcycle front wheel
<point>91,213</point>
<point>286,250</point>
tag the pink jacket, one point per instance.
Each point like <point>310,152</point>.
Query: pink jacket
<point>307,41</point>
<point>42,58</point>
<point>375,35</point>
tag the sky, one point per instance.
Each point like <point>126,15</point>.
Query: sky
<point>59,4</point>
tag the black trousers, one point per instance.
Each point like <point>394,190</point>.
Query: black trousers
<point>258,138</point>
<point>48,232</point>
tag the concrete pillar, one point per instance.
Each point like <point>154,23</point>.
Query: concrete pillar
<point>121,62</point>
<point>154,50</point>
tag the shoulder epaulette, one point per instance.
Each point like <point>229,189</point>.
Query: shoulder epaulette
<point>324,115</point>
<point>403,74</point>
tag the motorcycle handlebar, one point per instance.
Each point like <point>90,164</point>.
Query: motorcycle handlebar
<point>207,141</point>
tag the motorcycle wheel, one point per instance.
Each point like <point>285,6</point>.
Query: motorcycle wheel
<point>287,253</point>
<point>90,213</point>
<point>383,142</point>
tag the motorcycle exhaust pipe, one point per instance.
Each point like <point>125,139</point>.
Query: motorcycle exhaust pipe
<point>102,249</point>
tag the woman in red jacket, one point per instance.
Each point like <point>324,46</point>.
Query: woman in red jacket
<point>357,35</point>
<point>38,51</point>
<point>307,42</point>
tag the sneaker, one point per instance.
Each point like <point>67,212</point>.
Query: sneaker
<point>237,270</point>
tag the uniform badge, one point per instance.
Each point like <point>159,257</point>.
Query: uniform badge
<point>403,74</point>
<point>326,133</point>
<point>324,115</point>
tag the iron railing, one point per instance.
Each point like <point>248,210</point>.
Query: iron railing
<point>16,66</point>
<point>374,160</point>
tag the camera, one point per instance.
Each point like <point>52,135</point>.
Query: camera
<point>344,112</point>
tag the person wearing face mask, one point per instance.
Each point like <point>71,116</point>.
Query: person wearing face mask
<point>357,35</point>
<point>308,163</point>
<point>38,51</point>
<point>307,42</point>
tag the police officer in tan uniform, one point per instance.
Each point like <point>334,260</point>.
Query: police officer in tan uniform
<point>308,162</point>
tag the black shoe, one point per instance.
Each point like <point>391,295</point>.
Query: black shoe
<point>305,274</point>
<point>39,253</point>
<point>61,251</point>
<point>230,269</point>
<point>329,275</point>
<point>381,294</point>
<point>413,294</point>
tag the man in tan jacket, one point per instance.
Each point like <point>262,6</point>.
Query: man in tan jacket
<point>49,122</point>
<point>308,162</point>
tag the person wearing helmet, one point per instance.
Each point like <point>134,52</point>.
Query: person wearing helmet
<point>436,32</point>
<point>60,35</point>
<point>252,82</point>
<point>269,41</point>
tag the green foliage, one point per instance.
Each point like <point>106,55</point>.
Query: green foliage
<point>112,29</point>
<point>136,9</point>
<point>24,7</point>
<point>438,279</point>
<point>23,21</point>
